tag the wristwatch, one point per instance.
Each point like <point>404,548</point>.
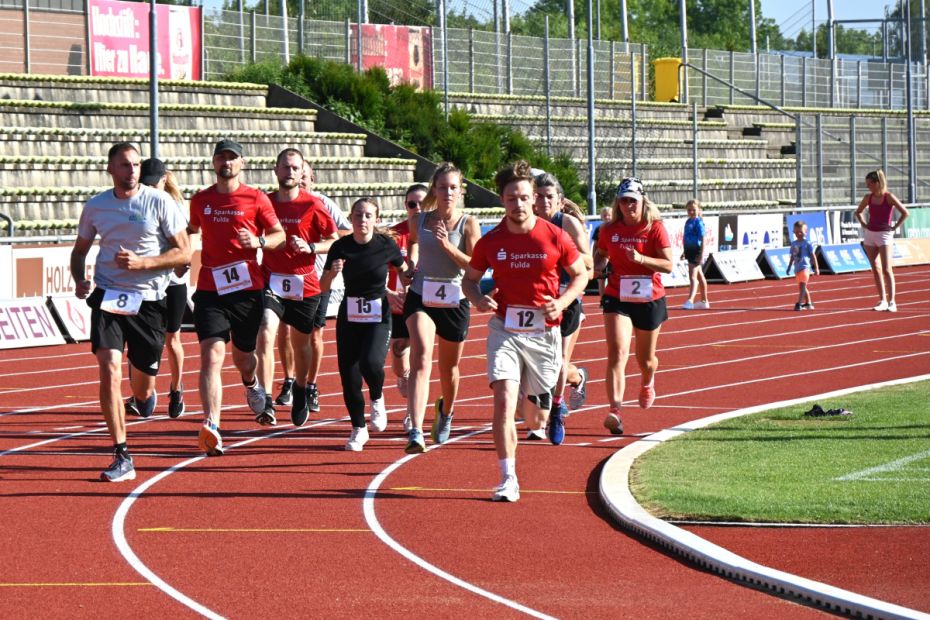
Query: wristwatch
<point>261,241</point>
<point>312,247</point>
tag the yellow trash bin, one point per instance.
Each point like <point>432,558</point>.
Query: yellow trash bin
<point>667,79</point>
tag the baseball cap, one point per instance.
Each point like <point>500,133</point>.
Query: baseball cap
<point>630,187</point>
<point>152,172</point>
<point>228,144</point>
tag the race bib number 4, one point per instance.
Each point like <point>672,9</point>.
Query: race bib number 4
<point>287,286</point>
<point>636,289</point>
<point>525,320</point>
<point>441,293</point>
<point>121,302</point>
<point>232,277</point>
<point>361,310</point>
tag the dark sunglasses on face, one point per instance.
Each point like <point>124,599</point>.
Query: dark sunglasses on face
<point>413,204</point>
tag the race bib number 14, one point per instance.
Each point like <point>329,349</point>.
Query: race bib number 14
<point>232,277</point>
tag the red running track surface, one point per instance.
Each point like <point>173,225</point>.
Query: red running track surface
<point>288,524</point>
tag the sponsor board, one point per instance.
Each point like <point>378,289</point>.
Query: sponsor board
<point>676,234</point>
<point>842,258</point>
<point>46,271</point>
<point>774,263</point>
<point>27,322</point>
<point>405,52</point>
<point>73,315</point>
<point>760,232</point>
<point>911,252</point>
<point>733,266</point>
<point>817,231</point>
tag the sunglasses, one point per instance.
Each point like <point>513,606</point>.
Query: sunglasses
<point>413,204</point>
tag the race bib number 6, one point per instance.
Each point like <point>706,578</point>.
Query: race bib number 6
<point>121,302</point>
<point>231,278</point>
<point>287,286</point>
<point>636,289</point>
<point>441,293</point>
<point>361,310</point>
<point>525,321</point>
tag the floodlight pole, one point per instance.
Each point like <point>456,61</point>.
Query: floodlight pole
<point>153,80</point>
<point>592,179</point>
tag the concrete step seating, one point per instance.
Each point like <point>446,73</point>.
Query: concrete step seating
<point>528,105</point>
<point>682,168</point>
<point>198,171</point>
<point>619,146</point>
<point>534,127</point>
<point>75,142</point>
<point>667,192</point>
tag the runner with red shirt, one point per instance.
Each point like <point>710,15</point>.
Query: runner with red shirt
<point>524,345</point>
<point>234,220</point>
<point>636,244</point>
<point>292,293</point>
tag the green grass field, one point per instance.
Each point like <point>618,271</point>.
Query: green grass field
<point>778,466</point>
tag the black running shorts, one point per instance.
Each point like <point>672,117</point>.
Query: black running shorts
<point>451,323</point>
<point>176,298</point>
<point>143,334</point>
<point>647,317</point>
<point>571,318</point>
<point>238,314</point>
<point>299,314</point>
<point>399,327</point>
<point>319,321</point>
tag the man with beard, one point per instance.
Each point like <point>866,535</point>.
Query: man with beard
<point>142,237</point>
<point>235,220</point>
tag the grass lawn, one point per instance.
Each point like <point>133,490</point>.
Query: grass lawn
<point>779,466</point>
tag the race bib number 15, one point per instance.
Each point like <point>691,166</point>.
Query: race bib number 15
<point>361,310</point>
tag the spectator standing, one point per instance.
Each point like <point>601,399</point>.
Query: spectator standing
<point>879,235</point>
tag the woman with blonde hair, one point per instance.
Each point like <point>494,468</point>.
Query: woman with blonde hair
<point>879,235</point>
<point>636,244</point>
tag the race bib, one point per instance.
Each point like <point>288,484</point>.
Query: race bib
<point>287,286</point>
<point>441,293</point>
<point>525,320</point>
<point>232,277</point>
<point>636,289</point>
<point>361,310</point>
<point>116,301</point>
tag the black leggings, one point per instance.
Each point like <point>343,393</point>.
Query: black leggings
<point>361,349</point>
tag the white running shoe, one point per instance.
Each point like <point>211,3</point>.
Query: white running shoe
<point>892,307</point>
<point>882,306</point>
<point>256,396</point>
<point>357,439</point>
<point>507,491</point>
<point>701,305</point>
<point>378,415</point>
<point>688,305</point>
<point>536,434</point>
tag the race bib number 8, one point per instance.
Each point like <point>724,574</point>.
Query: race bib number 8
<point>441,293</point>
<point>636,289</point>
<point>525,320</point>
<point>287,286</point>
<point>121,302</point>
<point>361,310</point>
<point>231,278</point>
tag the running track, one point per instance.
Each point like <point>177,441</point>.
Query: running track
<point>288,524</point>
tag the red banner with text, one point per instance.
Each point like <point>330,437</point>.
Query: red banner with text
<point>405,52</point>
<point>119,40</point>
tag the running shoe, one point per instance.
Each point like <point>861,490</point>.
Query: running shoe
<point>798,307</point>
<point>535,434</point>
<point>808,306</point>
<point>357,439</point>
<point>882,306</point>
<point>256,398</point>
<point>120,469</point>
<point>556,427</point>
<point>613,424</point>
<point>702,305</point>
<point>507,491</point>
<point>442,424</point>
<point>402,384</point>
<point>267,416</point>
<point>147,407</point>
<point>688,305</point>
<point>378,415</point>
<point>286,396</point>
<point>647,395</point>
<point>175,403</point>
<point>313,397</point>
<point>408,424</point>
<point>892,307</point>
<point>578,394</point>
<point>299,410</point>
<point>209,439</point>
<point>131,407</point>
<point>415,442</point>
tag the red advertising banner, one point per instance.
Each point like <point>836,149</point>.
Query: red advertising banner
<point>119,40</point>
<point>405,52</point>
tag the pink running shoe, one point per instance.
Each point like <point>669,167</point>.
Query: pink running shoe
<point>647,395</point>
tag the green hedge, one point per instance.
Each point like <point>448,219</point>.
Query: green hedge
<point>411,118</point>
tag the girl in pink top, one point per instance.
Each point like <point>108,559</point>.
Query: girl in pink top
<point>879,235</point>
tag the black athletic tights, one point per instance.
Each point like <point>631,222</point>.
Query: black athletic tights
<point>361,349</point>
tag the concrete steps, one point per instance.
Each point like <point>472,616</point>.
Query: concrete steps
<point>620,146</point>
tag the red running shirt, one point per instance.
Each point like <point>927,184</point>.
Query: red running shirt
<point>613,240</point>
<point>401,235</point>
<point>525,265</point>
<point>220,217</point>
<point>306,217</point>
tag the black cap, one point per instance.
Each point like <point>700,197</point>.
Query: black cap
<point>227,144</point>
<point>152,172</point>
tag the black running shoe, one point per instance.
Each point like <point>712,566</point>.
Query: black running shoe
<point>313,397</point>
<point>299,410</point>
<point>131,407</point>
<point>175,403</point>
<point>267,417</point>
<point>286,396</point>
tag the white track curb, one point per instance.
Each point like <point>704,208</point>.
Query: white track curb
<point>623,507</point>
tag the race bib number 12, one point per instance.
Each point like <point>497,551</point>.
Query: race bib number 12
<point>525,320</point>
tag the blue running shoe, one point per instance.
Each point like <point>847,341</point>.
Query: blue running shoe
<point>442,425</point>
<point>556,428</point>
<point>415,444</point>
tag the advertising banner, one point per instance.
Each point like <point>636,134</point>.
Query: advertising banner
<point>817,231</point>
<point>774,263</point>
<point>845,227</point>
<point>917,224</point>
<point>733,266</point>
<point>760,232</point>
<point>27,323</point>
<point>676,233</point>
<point>46,271</point>
<point>405,52</point>
<point>911,252</point>
<point>74,316</point>
<point>119,46</point>
<point>844,258</point>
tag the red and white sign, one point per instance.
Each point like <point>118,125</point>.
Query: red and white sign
<point>27,323</point>
<point>405,52</point>
<point>118,34</point>
<point>75,316</point>
<point>46,272</point>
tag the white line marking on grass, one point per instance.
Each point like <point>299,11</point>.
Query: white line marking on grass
<point>893,466</point>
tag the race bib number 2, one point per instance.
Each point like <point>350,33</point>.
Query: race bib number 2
<point>121,302</point>
<point>361,310</point>
<point>441,293</point>
<point>636,289</point>
<point>525,320</point>
<point>287,286</point>
<point>231,278</point>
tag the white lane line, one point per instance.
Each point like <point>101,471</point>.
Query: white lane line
<point>887,467</point>
<point>371,518</point>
